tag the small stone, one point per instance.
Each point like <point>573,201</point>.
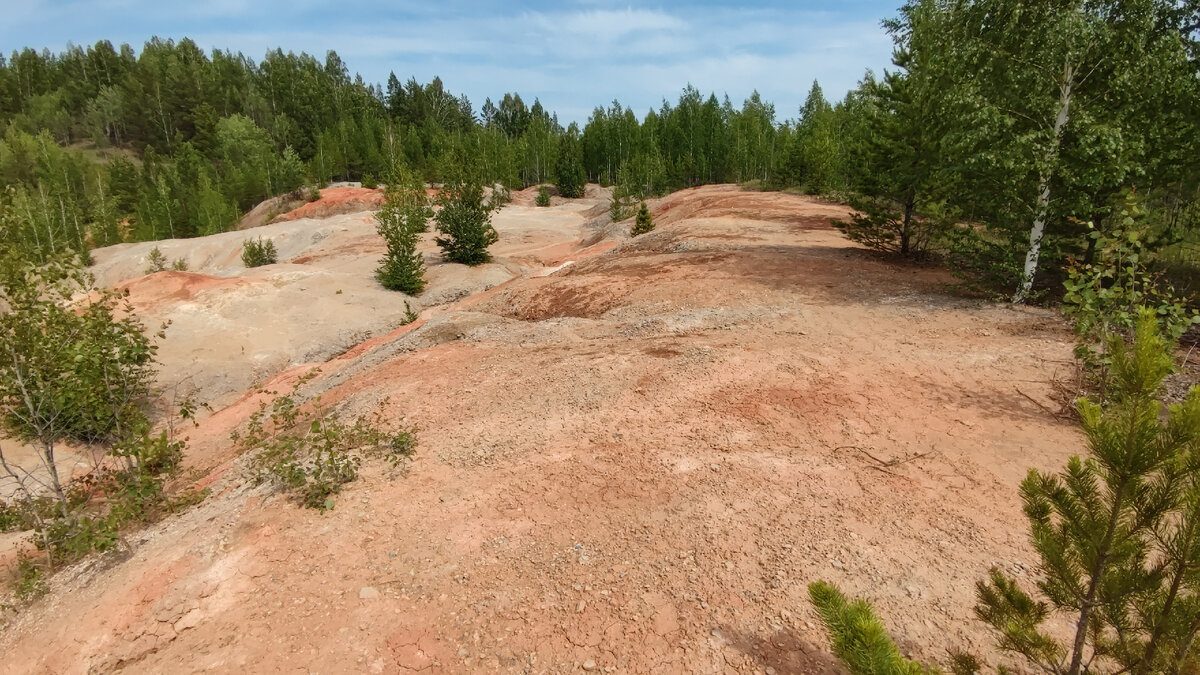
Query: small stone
<point>368,593</point>
<point>714,467</point>
<point>589,665</point>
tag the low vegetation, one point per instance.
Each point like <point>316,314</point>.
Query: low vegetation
<point>543,196</point>
<point>156,261</point>
<point>405,214</point>
<point>78,369</point>
<point>259,252</point>
<point>310,453</point>
<point>464,223</point>
<point>644,222</point>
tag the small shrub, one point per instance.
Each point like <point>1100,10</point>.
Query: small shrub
<point>368,181</point>
<point>311,456</point>
<point>543,197</point>
<point>893,228</point>
<point>1108,294</point>
<point>29,582</point>
<point>465,223</point>
<point>312,194</point>
<point>618,208</point>
<point>409,315</point>
<point>155,261</point>
<point>259,252</point>
<point>644,222</point>
<point>405,213</point>
<point>179,265</point>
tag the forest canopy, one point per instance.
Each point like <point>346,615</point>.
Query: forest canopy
<point>1005,134</point>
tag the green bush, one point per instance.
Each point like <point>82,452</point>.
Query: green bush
<point>258,252</point>
<point>886,226</point>
<point>312,194</point>
<point>29,582</point>
<point>368,181</point>
<point>543,196</point>
<point>311,455</point>
<point>1107,295</point>
<point>644,222</point>
<point>404,214</point>
<point>465,223</point>
<point>155,261</point>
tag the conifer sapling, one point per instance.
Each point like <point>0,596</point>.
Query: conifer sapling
<point>404,215</point>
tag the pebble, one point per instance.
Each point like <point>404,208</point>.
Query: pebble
<point>368,593</point>
<point>589,665</point>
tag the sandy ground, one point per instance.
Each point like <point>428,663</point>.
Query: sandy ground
<point>634,456</point>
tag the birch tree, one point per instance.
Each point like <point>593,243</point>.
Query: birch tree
<point>1041,96</point>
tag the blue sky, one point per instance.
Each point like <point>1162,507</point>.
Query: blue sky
<point>572,54</point>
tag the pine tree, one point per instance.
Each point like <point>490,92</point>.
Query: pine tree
<point>644,222</point>
<point>465,222</point>
<point>858,638</point>
<point>1118,532</point>
<point>404,215</point>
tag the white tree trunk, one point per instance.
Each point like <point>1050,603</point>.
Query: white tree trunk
<point>1042,209</point>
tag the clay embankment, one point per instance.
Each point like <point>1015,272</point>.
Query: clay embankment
<point>634,464</point>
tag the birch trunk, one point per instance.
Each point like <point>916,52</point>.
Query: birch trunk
<point>1041,211</point>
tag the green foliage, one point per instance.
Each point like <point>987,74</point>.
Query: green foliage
<point>155,261</point>
<point>857,636</point>
<point>813,157</point>
<point>259,252</point>
<point>72,369</point>
<point>618,206</point>
<point>465,223</point>
<point>570,174</point>
<point>405,213</point>
<point>885,226</point>
<point>985,261</point>
<point>1118,532</point>
<point>543,196</point>
<point>409,314</point>
<point>312,194</point>
<point>644,222</point>
<point>310,453</point>
<point>179,265</point>
<point>1107,294</point>
<point>29,581</point>
<point>368,181</point>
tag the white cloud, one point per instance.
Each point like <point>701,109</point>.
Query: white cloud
<point>574,58</point>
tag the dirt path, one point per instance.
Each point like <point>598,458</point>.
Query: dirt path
<point>634,464</point>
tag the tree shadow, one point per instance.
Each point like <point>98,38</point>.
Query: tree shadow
<point>784,651</point>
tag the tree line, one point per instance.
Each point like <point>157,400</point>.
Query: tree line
<point>1031,123</point>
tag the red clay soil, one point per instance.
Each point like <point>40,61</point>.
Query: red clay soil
<point>174,287</point>
<point>633,465</point>
<point>336,201</point>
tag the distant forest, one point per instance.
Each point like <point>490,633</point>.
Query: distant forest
<point>1035,122</point>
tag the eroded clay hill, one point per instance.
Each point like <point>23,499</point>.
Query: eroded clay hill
<point>633,463</point>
